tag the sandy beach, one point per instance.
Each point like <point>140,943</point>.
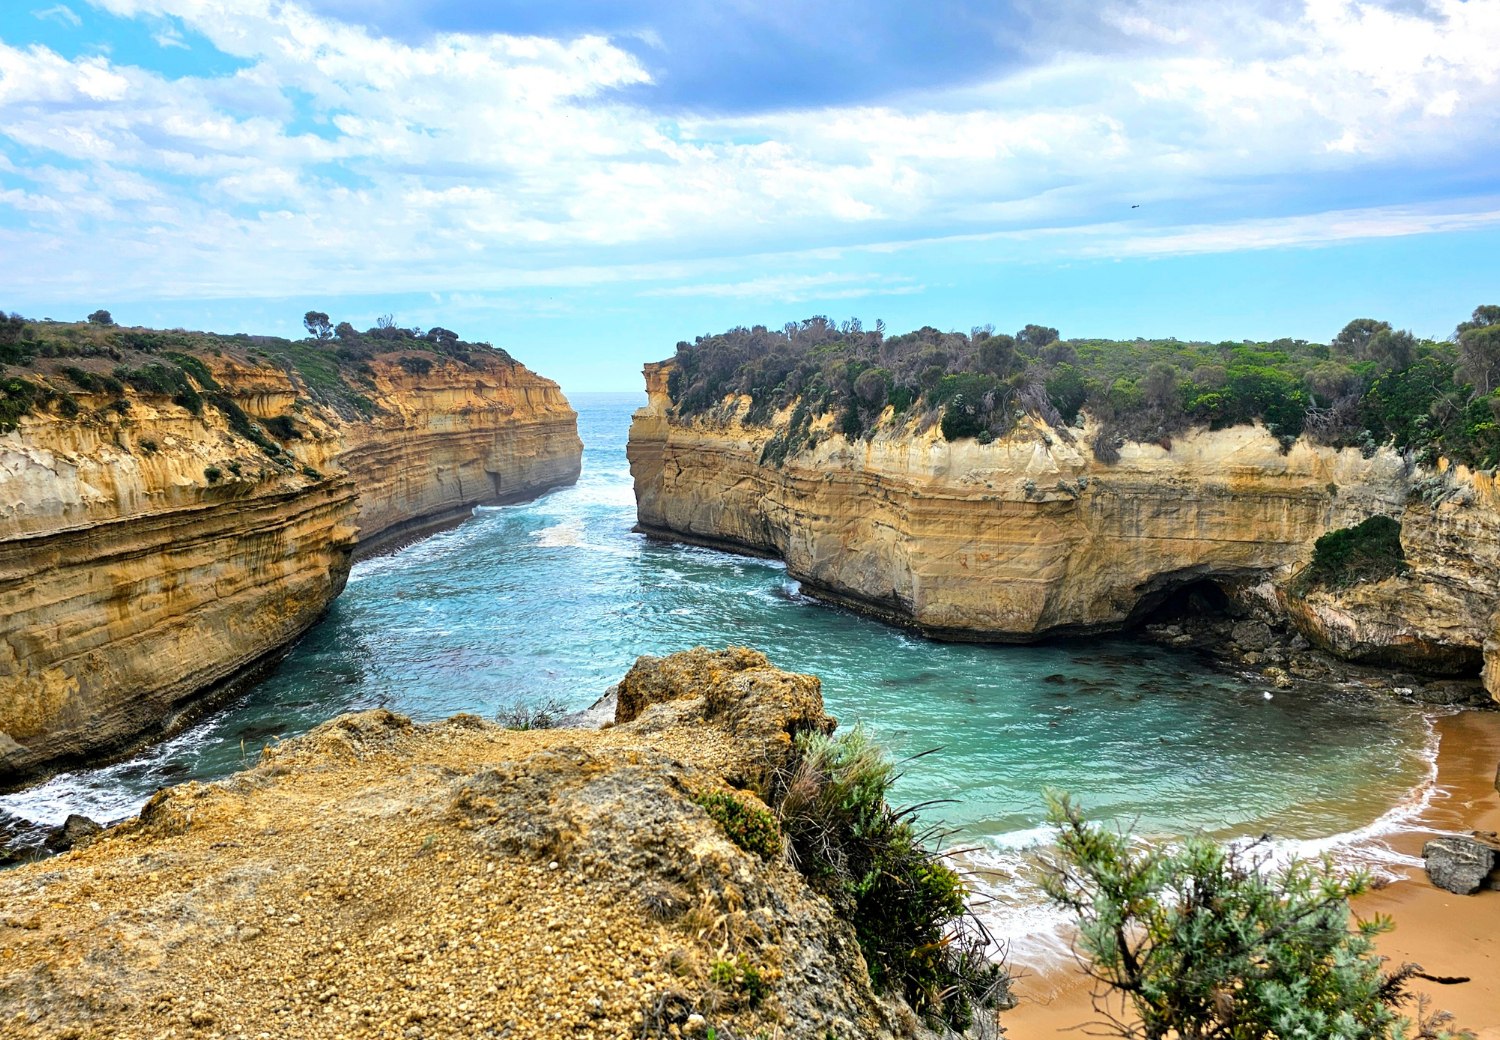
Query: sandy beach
<point>1448,935</point>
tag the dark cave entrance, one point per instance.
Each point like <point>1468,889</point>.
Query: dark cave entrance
<point>1194,600</point>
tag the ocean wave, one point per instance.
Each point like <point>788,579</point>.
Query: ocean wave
<point>1034,935</point>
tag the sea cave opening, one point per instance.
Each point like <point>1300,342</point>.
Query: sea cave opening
<point>1196,599</point>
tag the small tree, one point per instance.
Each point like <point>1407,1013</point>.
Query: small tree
<point>1479,357</point>
<point>997,355</point>
<point>1208,942</point>
<point>101,317</point>
<point>1036,336</point>
<point>1354,338</point>
<point>317,325</point>
<point>1485,315</point>
<point>443,338</point>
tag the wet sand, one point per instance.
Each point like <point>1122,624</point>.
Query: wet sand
<point>1446,934</point>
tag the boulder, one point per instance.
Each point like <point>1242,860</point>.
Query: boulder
<point>75,831</point>
<point>1458,864</point>
<point>1253,635</point>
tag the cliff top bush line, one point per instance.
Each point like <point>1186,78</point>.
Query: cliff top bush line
<point>1371,385</point>
<point>333,362</point>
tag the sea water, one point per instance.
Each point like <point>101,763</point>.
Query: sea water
<point>552,600</point>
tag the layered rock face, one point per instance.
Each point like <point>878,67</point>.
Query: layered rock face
<point>457,880</point>
<point>447,440</point>
<point>149,557</point>
<point>1031,536</point>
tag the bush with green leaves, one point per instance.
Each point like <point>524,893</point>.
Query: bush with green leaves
<point>17,396</point>
<point>740,980</point>
<point>1205,941</point>
<point>877,868</point>
<point>747,823</point>
<point>1369,551</point>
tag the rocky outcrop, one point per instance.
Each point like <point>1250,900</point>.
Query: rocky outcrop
<point>152,557</point>
<point>1462,865</point>
<point>455,880</point>
<point>1032,536</point>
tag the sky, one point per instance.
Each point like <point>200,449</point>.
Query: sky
<point>587,182</point>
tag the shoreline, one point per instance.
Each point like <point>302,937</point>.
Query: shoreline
<point>1447,934</point>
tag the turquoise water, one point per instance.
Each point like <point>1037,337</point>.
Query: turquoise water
<point>553,600</point>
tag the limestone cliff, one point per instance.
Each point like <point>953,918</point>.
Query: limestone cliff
<point>457,880</point>
<point>1031,536</point>
<point>154,548</point>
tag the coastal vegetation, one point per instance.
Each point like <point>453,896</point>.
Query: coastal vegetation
<point>1207,941</point>
<point>876,865</point>
<point>1372,384</point>
<point>1368,551</point>
<point>101,358</point>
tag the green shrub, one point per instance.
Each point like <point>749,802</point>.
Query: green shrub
<point>163,380</point>
<point>1210,941</point>
<point>1369,551</point>
<point>282,427</point>
<point>748,824</point>
<point>741,979</point>
<point>213,474</point>
<point>16,399</point>
<point>907,907</point>
<point>198,369</point>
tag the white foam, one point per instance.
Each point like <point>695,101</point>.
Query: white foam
<point>1037,936</point>
<point>1365,847</point>
<point>569,533</point>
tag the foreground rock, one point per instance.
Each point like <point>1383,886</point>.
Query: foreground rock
<point>1463,865</point>
<point>74,832</point>
<point>382,879</point>
<point>153,555</point>
<point>1033,536</point>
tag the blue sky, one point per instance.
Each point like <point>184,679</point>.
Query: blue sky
<point>586,182</point>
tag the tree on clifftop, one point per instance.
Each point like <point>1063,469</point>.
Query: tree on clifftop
<point>101,317</point>
<point>1036,336</point>
<point>317,324</point>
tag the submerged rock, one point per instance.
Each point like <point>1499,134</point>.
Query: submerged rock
<point>1461,865</point>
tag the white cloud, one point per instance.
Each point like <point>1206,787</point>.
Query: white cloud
<point>446,164</point>
<point>797,288</point>
<point>169,37</point>
<point>59,13</point>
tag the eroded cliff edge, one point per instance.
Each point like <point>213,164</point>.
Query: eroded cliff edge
<point>1031,535</point>
<point>457,880</point>
<point>164,534</point>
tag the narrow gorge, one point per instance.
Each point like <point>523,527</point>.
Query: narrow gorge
<point>1031,534</point>
<point>171,520</point>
